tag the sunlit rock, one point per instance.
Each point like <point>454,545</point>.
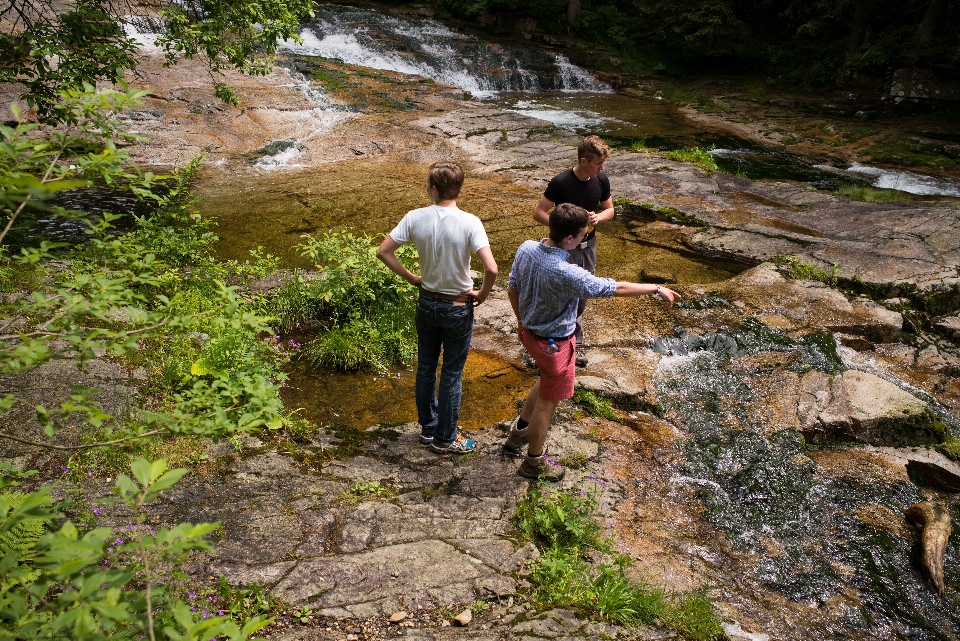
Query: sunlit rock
<point>857,406</point>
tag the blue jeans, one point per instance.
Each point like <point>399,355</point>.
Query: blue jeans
<point>441,324</point>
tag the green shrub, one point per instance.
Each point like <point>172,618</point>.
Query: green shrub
<point>105,584</point>
<point>366,312</point>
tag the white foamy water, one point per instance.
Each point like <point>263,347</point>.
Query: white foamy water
<point>563,118</point>
<point>143,31</point>
<point>906,181</point>
<point>573,79</point>
<point>427,48</point>
<point>909,182</point>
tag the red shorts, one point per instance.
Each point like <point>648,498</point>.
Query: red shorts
<point>558,371</point>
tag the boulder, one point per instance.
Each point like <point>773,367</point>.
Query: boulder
<point>933,469</point>
<point>862,407</point>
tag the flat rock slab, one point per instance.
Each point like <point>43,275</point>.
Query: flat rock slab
<point>441,534</point>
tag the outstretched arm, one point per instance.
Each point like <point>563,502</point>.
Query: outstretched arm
<point>639,289</point>
<point>386,253</point>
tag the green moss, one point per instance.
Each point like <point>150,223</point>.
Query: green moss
<point>332,79</point>
<point>950,448</point>
<point>595,405</point>
<point>912,151</point>
<point>650,212</point>
<point>871,195</point>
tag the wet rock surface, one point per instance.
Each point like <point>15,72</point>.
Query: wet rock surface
<point>707,480</point>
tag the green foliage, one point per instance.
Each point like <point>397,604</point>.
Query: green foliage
<point>24,534</point>
<point>105,584</point>
<point>87,40</point>
<point>365,310</point>
<point>580,569</point>
<point>692,615</point>
<point>245,602</point>
<point>120,294</point>
<point>596,405</point>
<point>561,519</point>
<point>371,491</point>
<point>794,268</point>
<point>695,156</point>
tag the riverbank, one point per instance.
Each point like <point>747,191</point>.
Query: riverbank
<point>708,479</point>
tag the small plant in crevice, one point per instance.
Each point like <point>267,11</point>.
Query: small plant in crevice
<point>595,405</point>
<point>580,568</point>
<point>797,269</point>
<point>367,491</point>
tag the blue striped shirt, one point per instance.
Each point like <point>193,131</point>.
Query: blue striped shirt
<point>550,287</point>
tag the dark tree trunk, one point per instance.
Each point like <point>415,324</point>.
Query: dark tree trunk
<point>931,20</point>
<point>573,10</point>
<point>859,26</point>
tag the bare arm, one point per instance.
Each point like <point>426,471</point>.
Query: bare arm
<point>541,212</point>
<point>639,289</point>
<point>386,253</point>
<point>489,275</point>
<point>514,297</point>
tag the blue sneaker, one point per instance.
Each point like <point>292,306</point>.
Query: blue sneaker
<point>426,440</point>
<point>462,445</point>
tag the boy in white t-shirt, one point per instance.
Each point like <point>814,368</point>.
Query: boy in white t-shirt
<point>444,237</point>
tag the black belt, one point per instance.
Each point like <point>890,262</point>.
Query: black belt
<point>458,298</point>
<point>555,340</point>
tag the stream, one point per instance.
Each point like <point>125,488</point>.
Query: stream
<point>828,547</point>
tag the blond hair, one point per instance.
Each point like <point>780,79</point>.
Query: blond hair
<point>592,147</point>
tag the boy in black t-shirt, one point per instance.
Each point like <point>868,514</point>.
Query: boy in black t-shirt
<point>584,186</point>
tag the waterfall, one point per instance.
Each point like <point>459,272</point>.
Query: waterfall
<point>368,38</point>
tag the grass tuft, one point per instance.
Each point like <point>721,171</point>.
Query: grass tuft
<point>695,156</point>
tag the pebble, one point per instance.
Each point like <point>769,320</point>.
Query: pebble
<point>464,618</point>
<point>397,617</point>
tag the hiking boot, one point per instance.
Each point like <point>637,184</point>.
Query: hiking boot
<point>541,467</point>
<point>426,440</point>
<point>462,445</point>
<point>516,444</point>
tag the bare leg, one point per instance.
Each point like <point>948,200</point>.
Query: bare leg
<point>540,415</point>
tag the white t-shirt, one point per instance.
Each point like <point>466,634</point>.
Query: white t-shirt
<point>444,238</point>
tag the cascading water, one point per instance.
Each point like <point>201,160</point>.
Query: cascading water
<point>369,38</point>
<point>765,492</point>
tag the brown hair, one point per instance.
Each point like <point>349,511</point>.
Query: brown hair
<point>592,147</point>
<point>447,177</point>
<point>567,219</point>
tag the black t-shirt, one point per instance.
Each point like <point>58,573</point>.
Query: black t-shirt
<point>567,188</point>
